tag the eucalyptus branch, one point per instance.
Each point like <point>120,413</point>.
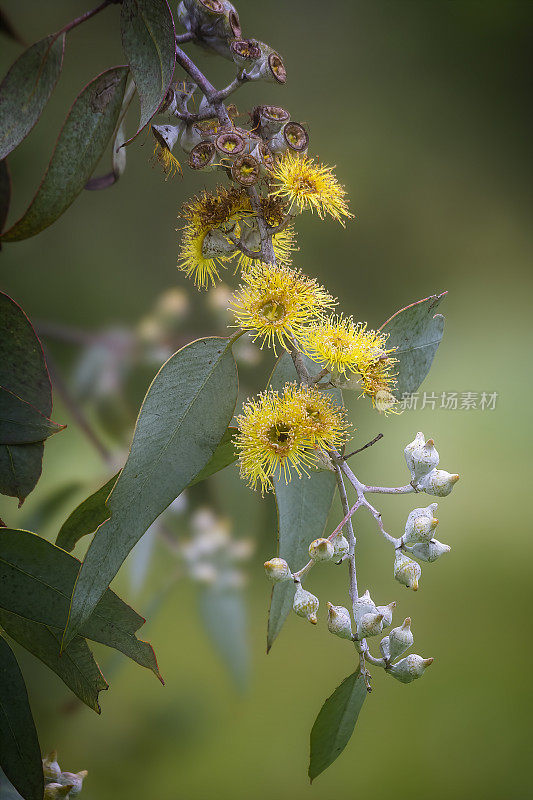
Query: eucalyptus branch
<point>204,84</point>
<point>364,447</point>
<point>88,15</point>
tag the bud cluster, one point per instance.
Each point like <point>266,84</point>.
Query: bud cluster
<point>365,619</point>
<point>422,460</point>
<point>58,784</point>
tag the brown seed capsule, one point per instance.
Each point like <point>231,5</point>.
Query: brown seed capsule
<point>277,67</point>
<point>230,144</point>
<point>268,120</point>
<point>246,170</point>
<point>234,23</point>
<point>202,156</point>
<point>296,136</point>
<point>245,51</point>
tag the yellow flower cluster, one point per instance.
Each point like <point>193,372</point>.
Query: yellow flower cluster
<point>284,432</point>
<point>276,303</point>
<point>212,220</point>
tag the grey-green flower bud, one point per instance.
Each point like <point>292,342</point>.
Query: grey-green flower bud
<point>421,457</point>
<point>277,570</point>
<point>55,791</point>
<point>429,551</point>
<point>364,605</point>
<point>305,604</point>
<point>386,611</point>
<point>420,524</point>
<point>406,571</point>
<point>398,641</point>
<point>409,668</point>
<point>321,550</point>
<point>339,621</point>
<point>74,780</point>
<point>370,624</point>
<point>51,768</point>
<point>438,482</point>
<point>216,245</point>
<point>341,547</point>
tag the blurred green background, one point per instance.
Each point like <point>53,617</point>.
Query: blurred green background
<point>425,108</point>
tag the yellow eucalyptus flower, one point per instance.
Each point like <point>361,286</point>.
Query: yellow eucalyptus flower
<point>306,184</point>
<point>281,433</point>
<point>277,302</point>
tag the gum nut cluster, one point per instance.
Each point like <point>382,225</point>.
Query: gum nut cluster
<point>396,644</point>
<point>371,620</point>
<point>418,537</point>
<point>60,784</point>
<point>422,461</point>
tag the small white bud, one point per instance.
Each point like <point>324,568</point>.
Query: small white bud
<point>51,768</point>
<point>364,605</point>
<point>341,547</point>
<point>420,524</point>
<point>74,780</point>
<point>438,482</point>
<point>421,457</point>
<point>305,604</point>
<point>339,621</point>
<point>387,613</point>
<point>370,624</point>
<point>406,571</point>
<point>409,668</point>
<point>277,570</point>
<point>55,791</point>
<point>398,641</point>
<point>321,550</point>
<point>429,551</point>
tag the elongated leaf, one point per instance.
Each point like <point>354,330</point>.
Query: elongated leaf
<point>82,141</point>
<point>148,39</point>
<point>224,616</point>
<point>416,332</point>
<point>5,194</point>
<point>181,422</point>
<point>335,723</point>
<point>118,153</point>
<point>86,518</point>
<point>36,582</point>
<point>7,790</point>
<point>76,666</point>
<point>22,423</point>
<point>23,372</point>
<point>26,89</point>
<point>303,507</point>
<point>20,754</point>
<point>224,455</point>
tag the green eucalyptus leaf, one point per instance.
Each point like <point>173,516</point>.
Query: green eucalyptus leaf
<point>5,194</point>
<point>416,332</point>
<point>335,723</point>
<point>75,666</point>
<point>20,753</point>
<point>149,42</point>
<point>223,613</point>
<point>82,141</point>
<point>26,89</point>
<point>224,455</point>
<point>36,582</point>
<point>23,372</point>
<point>303,507</point>
<point>22,423</point>
<point>87,517</point>
<point>181,422</point>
